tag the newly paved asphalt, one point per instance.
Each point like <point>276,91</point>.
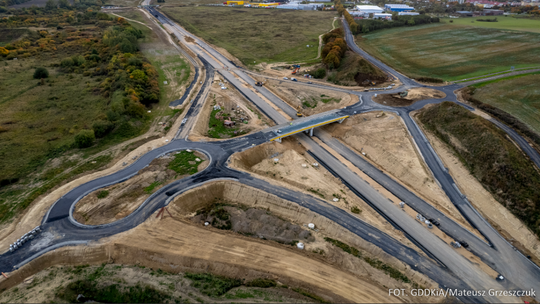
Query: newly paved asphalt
<point>448,268</point>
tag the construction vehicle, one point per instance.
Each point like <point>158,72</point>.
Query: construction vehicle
<point>298,113</point>
<point>259,83</point>
<point>296,68</point>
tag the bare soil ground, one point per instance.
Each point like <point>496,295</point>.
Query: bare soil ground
<point>414,95</point>
<point>295,170</point>
<point>310,100</point>
<point>387,144</point>
<point>498,216</point>
<point>328,272</point>
<point>124,198</point>
<point>228,99</point>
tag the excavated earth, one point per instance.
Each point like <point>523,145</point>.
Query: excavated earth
<point>177,244</point>
<point>414,95</point>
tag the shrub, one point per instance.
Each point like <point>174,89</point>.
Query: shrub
<point>319,73</point>
<point>102,128</point>
<point>356,210</point>
<point>430,79</point>
<point>41,73</point>
<point>85,138</point>
<point>263,283</point>
<point>102,194</point>
<point>67,62</point>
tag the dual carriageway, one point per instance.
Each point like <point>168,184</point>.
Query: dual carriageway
<point>444,265</point>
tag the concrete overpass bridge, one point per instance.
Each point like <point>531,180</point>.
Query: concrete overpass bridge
<point>306,124</point>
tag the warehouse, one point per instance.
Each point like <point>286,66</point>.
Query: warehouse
<point>368,9</point>
<point>398,7</point>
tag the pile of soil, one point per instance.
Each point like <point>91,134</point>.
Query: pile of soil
<point>252,222</point>
<point>413,95</point>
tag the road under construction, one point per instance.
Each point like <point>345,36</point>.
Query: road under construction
<point>444,266</point>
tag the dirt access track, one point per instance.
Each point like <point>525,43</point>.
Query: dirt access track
<point>177,245</point>
<point>413,95</point>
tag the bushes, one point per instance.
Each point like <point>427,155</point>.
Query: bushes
<point>319,73</point>
<point>429,79</point>
<point>102,128</point>
<point>262,283</point>
<point>85,139</point>
<point>368,25</point>
<point>41,73</point>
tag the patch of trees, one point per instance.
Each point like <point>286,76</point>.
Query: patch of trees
<point>369,25</point>
<point>54,12</point>
<point>350,19</point>
<point>334,48</point>
<point>491,158</point>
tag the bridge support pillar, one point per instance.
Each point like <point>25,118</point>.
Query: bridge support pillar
<point>278,140</point>
<point>341,120</point>
<point>311,131</point>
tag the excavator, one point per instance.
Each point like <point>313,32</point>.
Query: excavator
<point>296,68</point>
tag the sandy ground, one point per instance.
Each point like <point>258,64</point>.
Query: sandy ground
<point>227,99</point>
<point>173,244</point>
<point>498,216</point>
<point>126,197</point>
<point>289,172</point>
<point>387,144</point>
<point>414,95</point>
<point>298,96</point>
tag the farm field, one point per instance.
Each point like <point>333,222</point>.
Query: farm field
<point>519,96</point>
<point>257,35</point>
<point>503,23</point>
<point>452,52</point>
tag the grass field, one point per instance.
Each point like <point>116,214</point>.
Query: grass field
<point>451,51</point>
<point>257,35</point>
<point>519,96</point>
<point>504,23</point>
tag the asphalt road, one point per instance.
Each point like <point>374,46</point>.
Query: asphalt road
<point>453,269</point>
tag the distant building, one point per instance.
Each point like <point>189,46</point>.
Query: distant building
<point>407,14</point>
<point>465,13</point>
<point>369,9</point>
<point>493,12</point>
<point>382,16</point>
<point>398,7</point>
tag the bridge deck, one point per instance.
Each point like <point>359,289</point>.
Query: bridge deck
<point>305,124</point>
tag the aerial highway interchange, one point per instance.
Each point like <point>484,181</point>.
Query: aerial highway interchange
<point>444,265</point>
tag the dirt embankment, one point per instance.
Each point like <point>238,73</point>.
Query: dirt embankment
<point>334,275</point>
<point>412,96</point>
<point>387,144</point>
<point>295,170</point>
<point>247,118</point>
<point>310,100</point>
<point>507,224</point>
<point>62,284</point>
<point>115,202</point>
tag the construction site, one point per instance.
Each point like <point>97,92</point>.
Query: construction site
<point>269,185</point>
